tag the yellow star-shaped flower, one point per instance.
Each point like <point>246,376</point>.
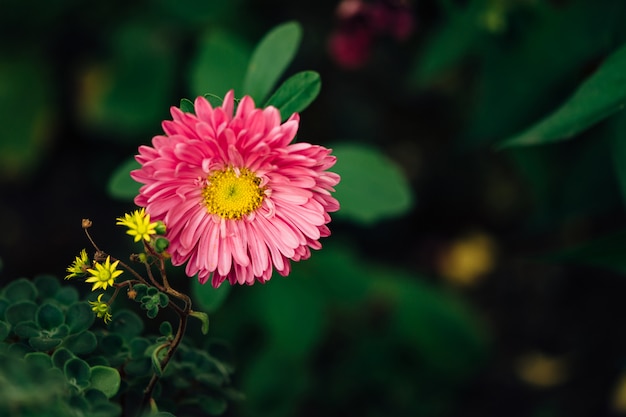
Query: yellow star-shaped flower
<point>104,275</point>
<point>78,268</point>
<point>101,309</point>
<point>138,223</point>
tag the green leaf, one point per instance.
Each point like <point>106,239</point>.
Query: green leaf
<point>204,318</point>
<point>618,150</point>
<point>49,316</point>
<point>28,130</point>
<point>270,59</point>
<point>121,186</point>
<point>20,311</point>
<point>220,64</point>
<point>61,356</point>
<point>209,298</point>
<point>448,44</point>
<point>5,329</point>
<point>157,355</point>
<point>19,290</point>
<point>372,186</point>
<point>138,347</point>
<point>67,295</point>
<point>187,106</point>
<point>26,329</point>
<point>79,317</point>
<point>44,343</point>
<point>127,324</point>
<point>81,343</point>
<point>40,360</point>
<point>77,371</point>
<point>296,93</point>
<point>598,97</point>
<point>47,285</point>
<point>166,328</point>
<point>105,379</point>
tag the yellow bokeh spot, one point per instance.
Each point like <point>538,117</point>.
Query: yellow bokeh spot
<point>233,193</point>
<point>542,371</point>
<point>468,259</point>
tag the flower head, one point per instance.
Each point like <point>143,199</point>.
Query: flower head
<point>139,225</point>
<point>79,267</point>
<point>101,309</point>
<point>104,275</point>
<point>239,199</point>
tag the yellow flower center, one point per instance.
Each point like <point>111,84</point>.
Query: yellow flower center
<point>232,194</point>
<point>104,275</point>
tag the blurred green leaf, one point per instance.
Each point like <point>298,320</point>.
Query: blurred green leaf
<point>81,343</point>
<point>270,59</point>
<point>26,329</point>
<point>105,379</point>
<point>451,42</point>
<point>618,150</point>
<point>600,96</point>
<point>219,64</point>
<point>20,311</point>
<point>20,289</point>
<point>40,360</point>
<point>5,328</point>
<point>121,186</point>
<point>372,186</point>
<point>606,252</point>
<point>208,298</point>
<point>296,93</point>
<point>130,93</point>
<point>126,324</point>
<point>47,285</point>
<point>27,129</point>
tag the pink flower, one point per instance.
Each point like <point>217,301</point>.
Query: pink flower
<point>238,198</point>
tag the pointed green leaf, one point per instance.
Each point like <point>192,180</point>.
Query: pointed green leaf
<point>372,187</point>
<point>270,59</point>
<point>295,94</point>
<point>121,186</point>
<point>599,96</point>
<point>204,318</point>
<point>187,106</point>
<point>105,379</point>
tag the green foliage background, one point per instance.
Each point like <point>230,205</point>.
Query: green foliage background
<point>502,118</point>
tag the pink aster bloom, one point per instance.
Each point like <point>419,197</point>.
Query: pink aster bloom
<point>238,198</point>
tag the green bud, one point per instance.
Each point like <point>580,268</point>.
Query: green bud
<point>160,228</point>
<point>160,244</point>
<point>143,257</point>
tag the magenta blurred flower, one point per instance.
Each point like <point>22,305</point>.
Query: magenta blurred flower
<point>238,198</point>
<point>361,23</point>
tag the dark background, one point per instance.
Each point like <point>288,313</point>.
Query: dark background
<point>433,85</point>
